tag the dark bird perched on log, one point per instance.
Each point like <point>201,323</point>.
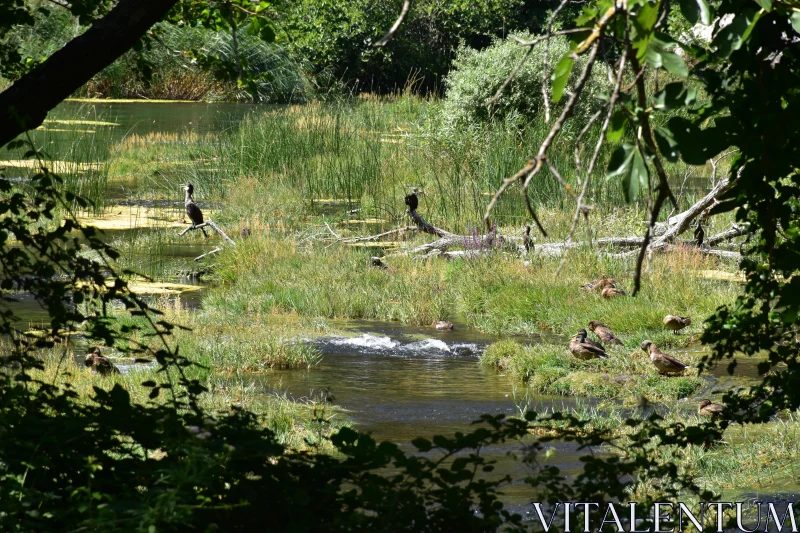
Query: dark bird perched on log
<point>412,201</point>
<point>676,323</point>
<point>603,332</point>
<point>664,363</point>
<point>584,350</point>
<point>707,408</point>
<point>699,233</point>
<point>99,363</point>
<point>192,211</point>
<point>527,241</point>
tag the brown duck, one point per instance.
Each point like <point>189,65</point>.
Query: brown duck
<point>612,292</point>
<point>665,363</point>
<point>599,284</point>
<point>676,323</point>
<point>100,363</point>
<point>587,340</point>
<point>603,332</point>
<point>443,325</point>
<point>707,408</point>
<point>582,349</point>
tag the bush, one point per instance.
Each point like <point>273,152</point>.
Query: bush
<point>478,74</point>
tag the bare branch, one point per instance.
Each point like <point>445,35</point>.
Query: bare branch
<point>580,208</point>
<point>383,41</point>
<point>545,74</point>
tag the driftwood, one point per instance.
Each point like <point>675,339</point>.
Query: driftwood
<point>212,252</point>
<point>665,239</point>
<point>210,223</point>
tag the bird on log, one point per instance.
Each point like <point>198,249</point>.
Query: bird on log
<point>192,210</point>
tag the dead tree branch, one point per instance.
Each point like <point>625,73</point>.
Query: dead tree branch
<point>210,223</point>
<point>383,41</point>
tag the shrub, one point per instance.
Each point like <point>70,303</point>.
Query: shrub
<point>478,74</point>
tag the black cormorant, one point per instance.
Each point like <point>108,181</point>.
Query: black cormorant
<point>412,201</point>
<point>192,211</point>
<point>527,240</point>
<point>699,234</point>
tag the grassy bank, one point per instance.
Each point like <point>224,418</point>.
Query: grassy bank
<point>627,374</point>
<point>496,293</point>
<point>297,424</point>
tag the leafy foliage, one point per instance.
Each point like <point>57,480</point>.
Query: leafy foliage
<point>334,39</point>
<point>477,76</point>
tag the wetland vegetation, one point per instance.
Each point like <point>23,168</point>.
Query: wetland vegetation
<point>219,404</point>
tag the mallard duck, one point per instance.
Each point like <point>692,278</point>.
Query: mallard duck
<point>676,323</point>
<point>599,284</point>
<point>443,325</point>
<point>603,332</point>
<point>586,339</point>
<point>707,408</point>
<point>99,363</point>
<point>527,241</point>
<point>192,210</point>
<point>612,292</point>
<point>584,350</point>
<point>665,363</point>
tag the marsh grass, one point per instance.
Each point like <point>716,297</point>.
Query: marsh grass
<point>497,293</point>
<point>365,152</point>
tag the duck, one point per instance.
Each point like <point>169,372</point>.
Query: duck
<point>584,350</point>
<point>707,408</point>
<point>603,332</point>
<point>585,336</point>
<point>664,363</point>
<point>612,292</point>
<point>443,325</point>
<point>100,363</point>
<point>676,323</point>
<point>599,284</point>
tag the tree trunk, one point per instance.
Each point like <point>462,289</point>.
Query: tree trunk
<point>25,104</point>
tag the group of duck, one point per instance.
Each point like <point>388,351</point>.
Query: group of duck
<point>582,347</point>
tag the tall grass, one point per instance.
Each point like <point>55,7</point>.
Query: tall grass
<point>364,152</point>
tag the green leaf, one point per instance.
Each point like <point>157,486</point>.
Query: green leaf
<point>667,144</point>
<point>616,128</point>
<point>561,75</point>
<point>620,161</point>
<point>695,10</point>
<point>423,445</point>
<point>795,18</point>
<point>637,179</point>
<point>766,4</point>
<point>658,57</point>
